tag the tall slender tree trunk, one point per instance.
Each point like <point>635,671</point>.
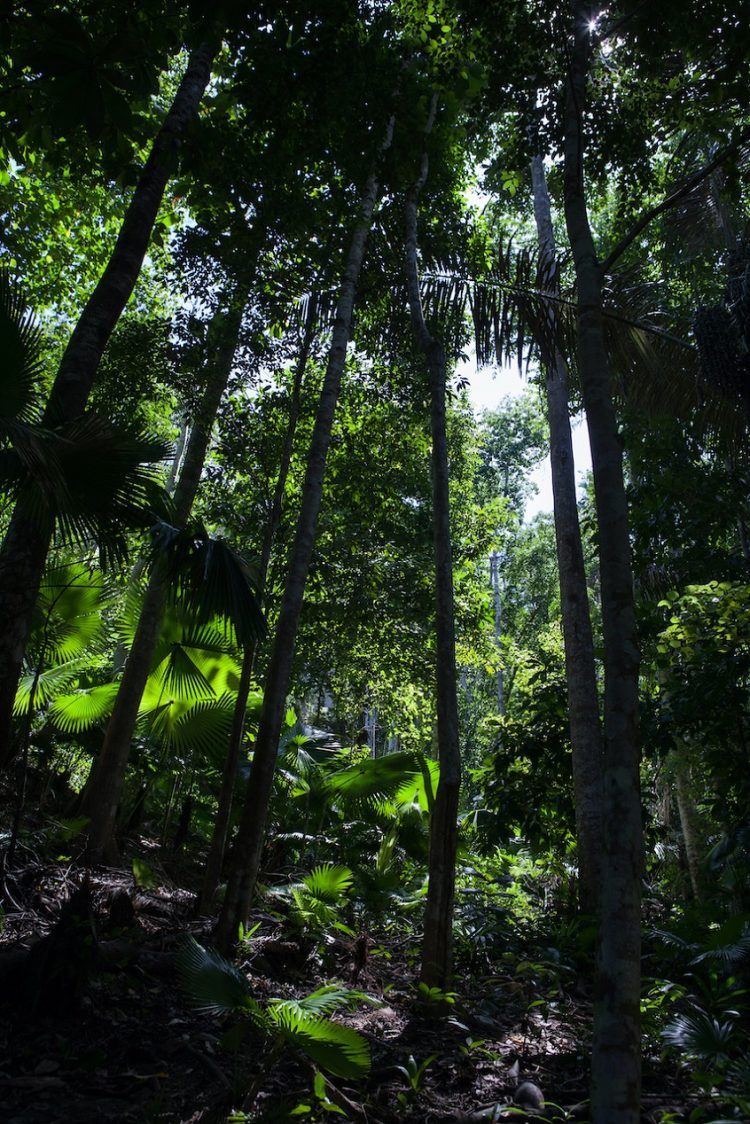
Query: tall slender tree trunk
<point>616,1056</point>
<point>217,847</point>
<point>580,667</point>
<point>249,843</point>
<point>437,941</point>
<point>104,788</point>
<point>24,551</point>
<point>692,834</point>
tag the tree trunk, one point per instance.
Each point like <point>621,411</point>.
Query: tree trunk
<point>24,551</point>
<point>104,788</point>
<point>437,943</point>
<point>580,667</point>
<point>246,857</point>
<point>692,834</point>
<point>616,1054</point>
<point>215,857</point>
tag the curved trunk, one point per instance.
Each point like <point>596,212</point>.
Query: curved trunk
<point>246,856</point>
<point>24,551</point>
<point>437,942</point>
<point>580,667</point>
<point>217,847</point>
<point>616,1053</point>
<point>104,787</point>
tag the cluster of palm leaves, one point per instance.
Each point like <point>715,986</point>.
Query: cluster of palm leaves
<point>96,488</point>
<point>89,481</point>
<point>217,986</point>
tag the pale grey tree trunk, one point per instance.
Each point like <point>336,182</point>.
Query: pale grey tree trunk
<point>495,559</point>
<point>437,942</point>
<point>104,787</point>
<point>24,551</point>
<point>580,667</point>
<point>245,861</point>
<point>692,833</point>
<point>616,1050</point>
<point>217,847</point>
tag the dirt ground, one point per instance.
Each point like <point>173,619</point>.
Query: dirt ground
<point>113,1038</point>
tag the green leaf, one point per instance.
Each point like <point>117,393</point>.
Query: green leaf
<point>213,984</point>
<point>337,1049</point>
<point>74,713</point>
<point>143,875</point>
<point>328,882</point>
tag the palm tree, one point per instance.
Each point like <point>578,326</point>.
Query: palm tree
<point>24,550</point>
<point>87,481</point>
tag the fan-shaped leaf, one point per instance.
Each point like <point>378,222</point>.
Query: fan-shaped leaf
<point>328,882</point>
<point>81,711</point>
<point>48,684</point>
<point>337,1049</point>
<point>373,776</point>
<point>21,349</point>
<point>213,984</point>
<point>701,1035</point>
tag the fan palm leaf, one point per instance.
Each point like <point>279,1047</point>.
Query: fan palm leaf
<point>336,1049</point>
<point>21,346</point>
<point>372,776</point>
<point>213,984</point>
<point>46,684</point>
<point>210,579</point>
<point>216,986</point>
<point>82,710</point>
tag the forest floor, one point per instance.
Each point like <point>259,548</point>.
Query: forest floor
<point>114,1039</point>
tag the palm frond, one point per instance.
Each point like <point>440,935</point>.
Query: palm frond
<point>47,684</point>
<point>337,1049</point>
<point>701,1035</point>
<point>213,984</point>
<point>204,727</point>
<point>21,345</point>
<point>328,882</point>
<point>82,710</point>
<point>211,579</point>
<point>90,479</point>
<point>327,1000</point>
<point>373,776</point>
<point>68,613</point>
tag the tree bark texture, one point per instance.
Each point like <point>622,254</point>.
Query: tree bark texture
<point>437,943</point>
<point>217,847</point>
<point>104,788</point>
<point>616,1054</point>
<point>26,544</point>
<point>580,667</point>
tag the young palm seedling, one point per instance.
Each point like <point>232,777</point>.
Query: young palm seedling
<point>216,986</point>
